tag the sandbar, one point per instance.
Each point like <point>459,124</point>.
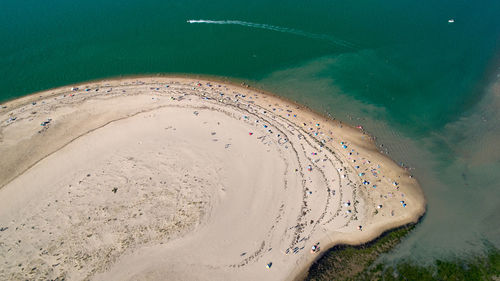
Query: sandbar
<point>179,178</point>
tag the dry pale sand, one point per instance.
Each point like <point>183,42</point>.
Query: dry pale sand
<point>170,178</point>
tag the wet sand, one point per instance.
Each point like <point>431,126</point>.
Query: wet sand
<point>185,179</point>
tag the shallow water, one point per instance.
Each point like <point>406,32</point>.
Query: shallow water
<point>424,87</point>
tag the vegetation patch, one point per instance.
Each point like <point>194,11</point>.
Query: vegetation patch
<point>345,262</point>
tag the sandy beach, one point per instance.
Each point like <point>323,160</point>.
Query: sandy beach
<point>170,178</point>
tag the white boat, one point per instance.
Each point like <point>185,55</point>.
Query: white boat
<point>451,21</point>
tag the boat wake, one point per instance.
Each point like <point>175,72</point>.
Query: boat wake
<point>329,38</point>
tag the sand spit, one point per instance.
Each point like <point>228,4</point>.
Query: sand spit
<point>170,178</point>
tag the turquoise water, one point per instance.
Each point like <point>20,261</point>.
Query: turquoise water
<point>424,87</point>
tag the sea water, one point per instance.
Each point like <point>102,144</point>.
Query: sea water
<point>424,86</point>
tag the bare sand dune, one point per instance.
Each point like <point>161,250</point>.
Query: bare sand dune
<point>183,179</point>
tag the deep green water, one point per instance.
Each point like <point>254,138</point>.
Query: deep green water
<point>422,86</point>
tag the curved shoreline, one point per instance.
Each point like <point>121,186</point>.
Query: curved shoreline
<point>353,137</point>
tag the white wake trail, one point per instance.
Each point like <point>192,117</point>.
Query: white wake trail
<point>325,37</point>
